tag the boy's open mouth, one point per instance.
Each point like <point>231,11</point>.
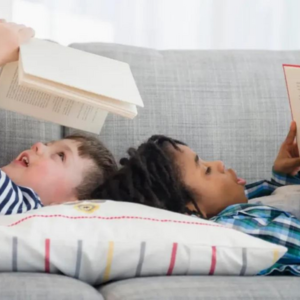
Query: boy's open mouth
<point>23,160</point>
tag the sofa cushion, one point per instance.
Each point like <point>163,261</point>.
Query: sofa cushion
<point>228,105</point>
<point>203,287</point>
<point>36,286</point>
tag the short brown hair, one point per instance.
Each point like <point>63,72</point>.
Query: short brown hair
<point>104,163</point>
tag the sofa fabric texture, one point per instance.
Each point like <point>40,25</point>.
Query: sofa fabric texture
<point>203,287</point>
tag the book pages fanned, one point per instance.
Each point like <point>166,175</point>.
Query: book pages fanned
<point>46,106</point>
<point>292,78</point>
<point>106,82</point>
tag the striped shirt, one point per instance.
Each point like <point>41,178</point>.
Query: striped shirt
<point>267,223</point>
<point>16,199</point>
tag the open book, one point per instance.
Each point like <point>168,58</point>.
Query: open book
<point>292,79</point>
<point>68,86</point>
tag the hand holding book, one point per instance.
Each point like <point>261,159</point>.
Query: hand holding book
<point>288,160</point>
<point>12,35</point>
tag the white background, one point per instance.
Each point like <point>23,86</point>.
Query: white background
<point>163,24</point>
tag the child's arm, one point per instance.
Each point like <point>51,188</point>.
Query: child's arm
<point>12,35</point>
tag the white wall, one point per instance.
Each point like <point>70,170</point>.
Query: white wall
<point>164,24</point>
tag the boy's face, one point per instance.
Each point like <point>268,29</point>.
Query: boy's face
<point>53,170</point>
<point>215,186</point>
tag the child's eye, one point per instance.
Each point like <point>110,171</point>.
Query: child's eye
<point>208,170</point>
<point>61,155</point>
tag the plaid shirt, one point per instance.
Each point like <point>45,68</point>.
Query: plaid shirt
<point>268,223</point>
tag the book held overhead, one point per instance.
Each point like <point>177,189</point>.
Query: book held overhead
<point>68,86</point>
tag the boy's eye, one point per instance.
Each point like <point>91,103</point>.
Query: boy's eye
<point>61,155</point>
<point>208,170</point>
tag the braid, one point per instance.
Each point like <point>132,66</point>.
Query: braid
<point>149,176</point>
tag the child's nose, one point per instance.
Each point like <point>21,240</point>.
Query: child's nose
<point>219,165</point>
<point>38,148</point>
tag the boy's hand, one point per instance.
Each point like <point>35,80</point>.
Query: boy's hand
<point>288,161</point>
<point>12,35</point>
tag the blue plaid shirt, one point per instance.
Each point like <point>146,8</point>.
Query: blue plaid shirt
<point>268,223</point>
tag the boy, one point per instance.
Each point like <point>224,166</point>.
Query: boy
<point>52,173</point>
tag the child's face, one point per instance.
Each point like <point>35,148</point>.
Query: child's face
<point>53,170</point>
<point>215,186</point>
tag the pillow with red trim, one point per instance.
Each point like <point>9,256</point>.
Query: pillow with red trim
<point>98,241</point>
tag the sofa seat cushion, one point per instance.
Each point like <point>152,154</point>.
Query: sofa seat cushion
<point>37,286</point>
<point>203,287</point>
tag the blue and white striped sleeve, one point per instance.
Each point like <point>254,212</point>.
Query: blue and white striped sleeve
<point>16,199</point>
<point>284,179</point>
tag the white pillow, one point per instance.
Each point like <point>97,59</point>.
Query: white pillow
<point>101,241</point>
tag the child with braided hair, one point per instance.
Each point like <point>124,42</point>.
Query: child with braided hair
<point>166,173</point>
<point>149,177</point>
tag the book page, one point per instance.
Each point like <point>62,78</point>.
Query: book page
<point>110,105</point>
<point>81,70</point>
<point>45,106</point>
<point>292,77</point>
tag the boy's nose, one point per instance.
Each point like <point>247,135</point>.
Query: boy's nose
<point>38,148</point>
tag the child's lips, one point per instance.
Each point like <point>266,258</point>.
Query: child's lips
<point>22,160</point>
<point>241,181</point>
<point>238,180</point>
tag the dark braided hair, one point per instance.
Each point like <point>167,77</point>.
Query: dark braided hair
<point>150,176</point>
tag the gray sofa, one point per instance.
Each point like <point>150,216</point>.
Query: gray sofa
<point>228,105</point>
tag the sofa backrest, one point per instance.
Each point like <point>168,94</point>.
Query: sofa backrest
<point>228,105</point>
